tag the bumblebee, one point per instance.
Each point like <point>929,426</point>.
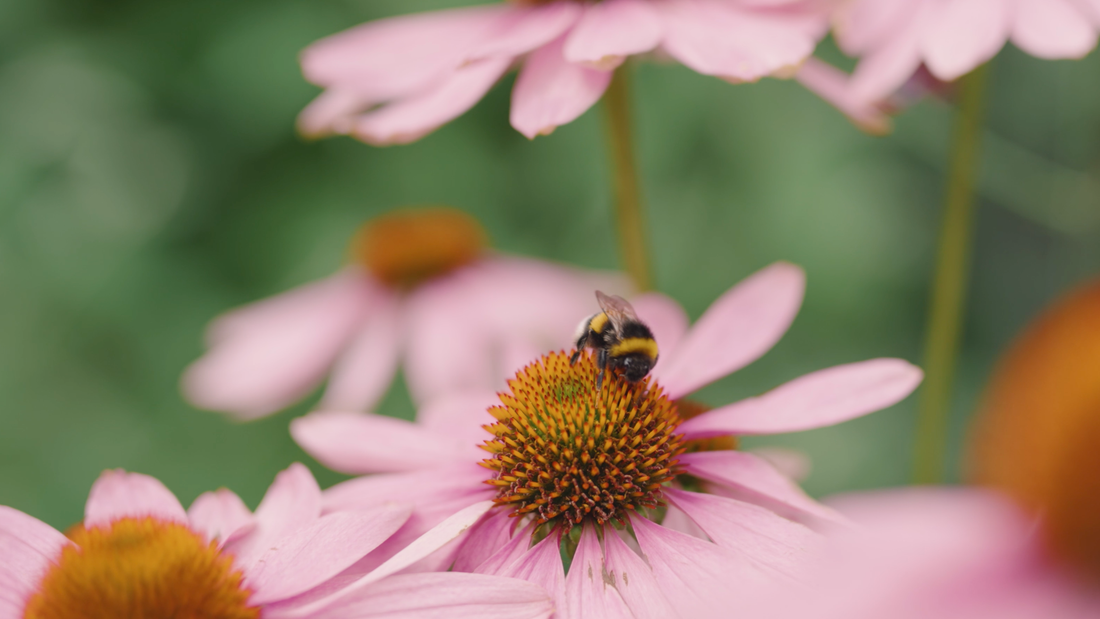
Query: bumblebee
<point>621,341</point>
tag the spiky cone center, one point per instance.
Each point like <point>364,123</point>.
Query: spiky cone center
<point>410,246</point>
<point>565,452</point>
<point>140,567</point>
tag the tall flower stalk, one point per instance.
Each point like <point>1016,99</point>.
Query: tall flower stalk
<point>950,281</point>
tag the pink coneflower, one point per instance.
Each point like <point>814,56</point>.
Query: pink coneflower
<point>395,80</point>
<point>642,487</point>
<point>422,288</point>
<point>139,554</point>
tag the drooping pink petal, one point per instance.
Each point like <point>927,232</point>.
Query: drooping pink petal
<point>28,548</point>
<point>962,35</point>
<point>316,552</point>
<point>293,501</point>
<point>366,368</point>
<point>591,590</point>
<point>505,555</point>
<point>527,28</point>
<point>635,581</point>
<point>550,91</point>
<point>676,520</point>
<point>666,319</point>
<point>542,565</point>
<point>118,494</point>
<point>1052,29</point>
<point>360,443</point>
<point>758,534</point>
<point>417,115</point>
<point>739,44</point>
<point>488,536</point>
<point>219,514</point>
<point>834,86</point>
<point>451,596</point>
<point>862,25</point>
<point>270,354</point>
<point>756,481</point>
<point>816,400</point>
<point>737,329</point>
<point>884,70</point>
<point>611,30</point>
<point>330,113</point>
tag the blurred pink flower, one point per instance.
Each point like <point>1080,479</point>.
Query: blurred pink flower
<point>139,554</point>
<point>395,80</point>
<point>931,553</point>
<point>731,518</point>
<point>461,318</point>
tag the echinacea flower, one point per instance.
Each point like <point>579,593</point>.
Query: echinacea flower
<point>395,80</point>
<point>421,288</point>
<point>641,487</point>
<point>139,554</point>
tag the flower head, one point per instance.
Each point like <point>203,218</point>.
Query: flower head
<point>421,288</point>
<point>639,486</point>
<point>397,79</point>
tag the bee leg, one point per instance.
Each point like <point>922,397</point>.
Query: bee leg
<point>601,362</point>
<point>580,347</point>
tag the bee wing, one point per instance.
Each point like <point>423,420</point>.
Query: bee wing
<point>618,310</point>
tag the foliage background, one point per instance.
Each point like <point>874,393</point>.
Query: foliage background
<point>150,177</point>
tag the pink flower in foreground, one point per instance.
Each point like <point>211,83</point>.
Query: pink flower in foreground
<point>661,515</point>
<point>421,287</point>
<point>395,80</point>
<point>139,554</point>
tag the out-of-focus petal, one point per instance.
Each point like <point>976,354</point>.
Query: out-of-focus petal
<point>331,112</point>
<point>550,91</point>
<point>415,116</point>
<point>790,463</point>
<point>526,29</point>
<point>611,30</point>
<point>219,514</point>
<point>293,501</point>
<point>458,417</point>
<point>415,488</point>
<point>118,494</point>
<point>964,34</point>
<point>758,534</point>
<point>635,581</point>
<point>366,368</point>
<point>755,481</point>
<point>735,43</point>
<point>882,71</point>
<point>834,86</point>
<point>1052,29</point>
<point>315,553</point>
<point>862,25</point>
<point>816,400</point>
<point>590,589</point>
<point>28,547</point>
<point>360,443</point>
<point>666,319</point>
<point>1092,8</point>
<point>267,355</point>
<point>737,329</point>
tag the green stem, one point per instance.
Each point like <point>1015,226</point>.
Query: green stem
<point>628,202</point>
<point>949,286</point>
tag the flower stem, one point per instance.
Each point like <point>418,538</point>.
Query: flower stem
<point>628,202</point>
<point>949,286</point>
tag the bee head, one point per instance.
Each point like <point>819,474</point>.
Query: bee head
<point>634,367</point>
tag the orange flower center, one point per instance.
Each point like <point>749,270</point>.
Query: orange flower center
<point>564,452</point>
<point>407,247</point>
<point>141,568</point>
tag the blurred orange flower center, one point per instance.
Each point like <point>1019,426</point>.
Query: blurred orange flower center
<point>564,452</point>
<point>408,247</point>
<point>141,568</point>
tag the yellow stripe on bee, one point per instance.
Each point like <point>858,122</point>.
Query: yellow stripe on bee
<point>635,345</point>
<point>598,322</point>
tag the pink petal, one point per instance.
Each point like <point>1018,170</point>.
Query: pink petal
<point>611,30</point>
<point>551,91</point>
<point>358,443</point>
<point>450,596</point>
<point>505,555</point>
<point>293,501</point>
<point>863,25</point>
<point>486,538</point>
<point>318,551</point>
<point>1052,29</point>
<point>118,494</point>
<point>366,368</point>
<point>816,400</point>
<point>590,589</point>
<point>331,112</point>
<point>411,118</point>
<point>268,355</point>
<point>418,488</point>
<point>635,581</point>
<point>740,44</point>
<point>737,329</point>
<point>834,86</point>
<point>28,547</point>
<point>1092,8</point>
<point>526,29</point>
<point>962,35</point>
<point>762,537</point>
<point>542,565</point>
<point>755,481</point>
<point>884,70</point>
<point>219,514</point>
<point>791,463</point>
<point>460,416</point>
<point>666,319</point>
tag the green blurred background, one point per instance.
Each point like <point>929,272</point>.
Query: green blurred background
<point>150,178</point>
